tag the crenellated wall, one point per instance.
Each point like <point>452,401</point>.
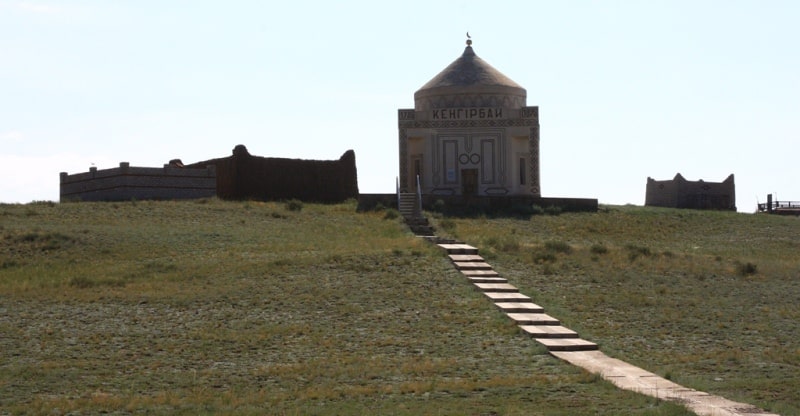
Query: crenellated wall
<point>239,176</point>
<point>680,193</point>
<point>127,182</point>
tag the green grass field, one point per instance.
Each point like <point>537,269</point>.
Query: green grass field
<point>214,307</point>
<point>706,299</point>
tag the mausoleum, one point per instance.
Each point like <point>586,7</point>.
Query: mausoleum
<point>470,133</point>
<point>471,140</point>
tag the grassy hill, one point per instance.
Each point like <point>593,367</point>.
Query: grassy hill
<point>250,308</point>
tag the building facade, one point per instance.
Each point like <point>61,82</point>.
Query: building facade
<point>245,176</point>
<point>470,133</point>
<point>127,182</point>
<point>239,176</point>
<point>680,193</point>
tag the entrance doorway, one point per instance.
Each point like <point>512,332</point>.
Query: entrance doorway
<point>469,182</point>
<point>417,172</point>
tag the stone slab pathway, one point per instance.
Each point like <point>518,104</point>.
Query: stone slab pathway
<point>459,248</point>
<point>487,279</point>
<point>630,377</point>
<point>518,307</point>
<point>507,297</point>
<point>465,257</point>
<point>567,345</point>
<point>472,265</point>
<point>527,318</point>
<point>496,287</point>
<point>548,331</point>
<point>484,273</point>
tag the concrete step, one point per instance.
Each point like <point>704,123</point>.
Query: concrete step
<point>423,232</point>
<point>496,287</point>
<point>459,248</point>
<point>407,205</point>
<point>442,240</point>
<point>548,331</point>
<point>507,297</point>
<point>519,307</point>
<point>437,240</point>
<point>567,344</point>
<point>472,265</point>
<point>417,220</point>
<point>527,318</point>
<point>465,258</point>
<point>408,208</point>
<point>481,279</point>
<point>479,273</point>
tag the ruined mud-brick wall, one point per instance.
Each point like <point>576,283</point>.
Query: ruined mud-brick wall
<point>680,193</point>
<point>127,182</point>
<point>243,176</point>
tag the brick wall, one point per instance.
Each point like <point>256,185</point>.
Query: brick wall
<point>489,204</point>
<point>127,182</point>
<point>680,193</point>
<point>243,176</point>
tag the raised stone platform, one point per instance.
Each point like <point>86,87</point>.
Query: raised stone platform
<point>465,258</point>
<point>496,287</point>
<point>473,273</point>
<point>487,279</point>
<point>528,318</point>
<point>567,344</point>
<point>519,307</point>
<point>459,248</point>
<point>548,331</point>
<point>507,297</point>
<point>472,265</point>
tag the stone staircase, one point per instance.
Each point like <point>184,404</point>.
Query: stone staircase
<point>408,205</point>
<point>529,316</point>
<point>560,341</point>
<point>563,342</point>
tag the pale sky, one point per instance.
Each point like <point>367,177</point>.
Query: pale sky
<point>626,89</point>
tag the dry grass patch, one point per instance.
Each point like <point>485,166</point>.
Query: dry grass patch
<point>212,307</point>
<point>708,298</point>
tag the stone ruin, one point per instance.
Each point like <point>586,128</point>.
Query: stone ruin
<point>680,193</point>
<point>239,176</point>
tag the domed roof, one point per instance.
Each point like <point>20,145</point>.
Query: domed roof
<point>471,76</point>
